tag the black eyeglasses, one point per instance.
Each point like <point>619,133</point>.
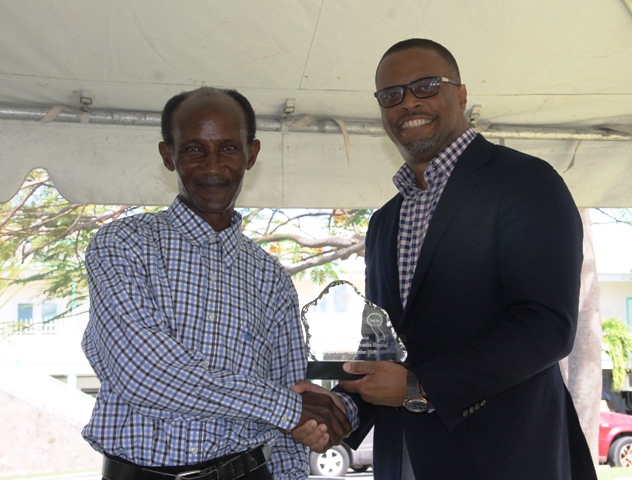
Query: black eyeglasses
<point>422,88</point>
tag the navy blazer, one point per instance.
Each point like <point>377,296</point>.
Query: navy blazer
<point>492,309</point>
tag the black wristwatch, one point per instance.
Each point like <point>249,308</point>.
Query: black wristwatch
<point>414,401</point>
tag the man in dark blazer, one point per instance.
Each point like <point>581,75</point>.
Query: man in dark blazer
<point>477,261</point>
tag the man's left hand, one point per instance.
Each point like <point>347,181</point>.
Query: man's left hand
<point>384,383</point>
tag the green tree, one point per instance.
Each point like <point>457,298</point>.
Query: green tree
<point>43,238</point>
<point>617,342</point>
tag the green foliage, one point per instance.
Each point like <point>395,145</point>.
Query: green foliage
<point>43,238</point>
<point>323,273</point>
<point>617,341</point>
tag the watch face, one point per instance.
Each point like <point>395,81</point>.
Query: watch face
<point>416,405</point>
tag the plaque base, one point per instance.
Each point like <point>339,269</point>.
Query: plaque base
<point>328,371</point>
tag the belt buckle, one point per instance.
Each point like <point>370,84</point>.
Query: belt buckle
<point>182,475</point>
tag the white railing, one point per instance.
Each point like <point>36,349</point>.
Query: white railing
<point>52,327</point>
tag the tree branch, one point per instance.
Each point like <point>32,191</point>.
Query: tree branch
<point>311,242</point>
<point>342,253</point>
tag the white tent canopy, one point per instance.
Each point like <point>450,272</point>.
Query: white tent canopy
<point>551,78</point>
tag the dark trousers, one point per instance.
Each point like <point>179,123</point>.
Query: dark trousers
<point>260,473</point>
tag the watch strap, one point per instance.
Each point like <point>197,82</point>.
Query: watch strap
<point>413,390</point>
<point>415,402</point>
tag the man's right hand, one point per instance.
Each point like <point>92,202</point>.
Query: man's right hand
<point>323,421</point>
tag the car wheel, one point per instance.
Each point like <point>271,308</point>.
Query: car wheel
<point>620,452</point>
<point>333,463</point>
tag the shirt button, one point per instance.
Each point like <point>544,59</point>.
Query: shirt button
<point>211,317</point>
<point>284,418</point>
<point>193,450</point>
<point>206,364</point>
<point>213,278</point>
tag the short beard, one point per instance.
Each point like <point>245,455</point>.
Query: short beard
<point>419,146</point>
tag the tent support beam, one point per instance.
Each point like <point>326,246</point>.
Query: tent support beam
<point>269,124</point>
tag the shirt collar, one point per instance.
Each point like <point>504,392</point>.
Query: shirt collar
<point>197,232</point>
<point>442,164</point>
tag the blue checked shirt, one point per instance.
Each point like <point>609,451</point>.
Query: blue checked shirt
<point>196,338</point>
<point>419,205</point>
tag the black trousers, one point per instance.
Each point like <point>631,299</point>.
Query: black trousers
<point>260,473</point>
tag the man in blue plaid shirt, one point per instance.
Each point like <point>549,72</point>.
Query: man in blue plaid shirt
<point>194,330</point>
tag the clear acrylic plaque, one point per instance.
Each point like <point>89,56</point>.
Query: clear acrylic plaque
<point>341,326</point>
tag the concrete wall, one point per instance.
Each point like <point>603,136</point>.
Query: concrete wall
<point>40,424</point>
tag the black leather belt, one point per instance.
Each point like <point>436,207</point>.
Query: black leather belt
<point>231,469</point>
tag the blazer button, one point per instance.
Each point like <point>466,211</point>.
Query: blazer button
<point>483,402</point>
<point>466,413</point>
<point>477,406</point>
<point>472,410</point>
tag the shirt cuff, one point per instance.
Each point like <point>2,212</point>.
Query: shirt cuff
<point>352,409</point>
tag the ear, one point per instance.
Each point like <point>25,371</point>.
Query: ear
<point>167,159</point>
<point>463,97</point>
<point>253,151</point>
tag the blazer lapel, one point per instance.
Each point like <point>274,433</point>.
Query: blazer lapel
<point>464,178</point>
<point>389,262</point>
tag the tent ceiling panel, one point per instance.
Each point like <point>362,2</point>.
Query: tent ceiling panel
<point>538,63</point>
<point>121,165</point>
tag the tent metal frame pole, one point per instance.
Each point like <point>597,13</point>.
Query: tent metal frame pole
<point>284,125</point>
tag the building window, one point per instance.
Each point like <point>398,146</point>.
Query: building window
<point>25,317</point>
<point>49,310</point>
<point>36,318</point>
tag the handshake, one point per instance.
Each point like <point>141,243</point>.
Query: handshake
<point>324,421</point>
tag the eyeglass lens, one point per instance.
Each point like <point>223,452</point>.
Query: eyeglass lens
<point>423,88</point>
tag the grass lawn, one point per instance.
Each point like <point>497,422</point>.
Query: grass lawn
<point>616,473</point>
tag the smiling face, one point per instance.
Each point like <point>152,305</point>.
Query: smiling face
<point>421,128</point>
<point>210,155</point>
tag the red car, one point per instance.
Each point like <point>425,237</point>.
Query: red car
<point>615,439</point>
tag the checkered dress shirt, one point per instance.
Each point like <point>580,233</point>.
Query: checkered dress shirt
<point>195,337</point>
<point>419,205</point>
